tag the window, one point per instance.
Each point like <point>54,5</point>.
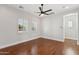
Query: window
<point>34,26</point>
<point>22,25</point>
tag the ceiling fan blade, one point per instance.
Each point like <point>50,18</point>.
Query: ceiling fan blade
<point>40,9</point>
<point>49,13</point>
<point>48,10</point>
<point>39,14</point>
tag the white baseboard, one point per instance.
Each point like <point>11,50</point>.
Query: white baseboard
<point>1,47</point>
<point>47,37</point>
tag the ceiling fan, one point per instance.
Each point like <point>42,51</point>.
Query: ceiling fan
<point>42,12</point>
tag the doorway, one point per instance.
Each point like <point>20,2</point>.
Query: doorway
<point>70,28</point>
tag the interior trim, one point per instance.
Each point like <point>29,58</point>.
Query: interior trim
<point>1,47</point>
<point>47,37</point>
<point>5,46</point>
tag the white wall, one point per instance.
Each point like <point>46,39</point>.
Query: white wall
<point>53,25</point>
<point>9,26</point>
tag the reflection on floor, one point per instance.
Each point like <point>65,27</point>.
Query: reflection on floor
<point>70,47</point>
<point>42,46</point>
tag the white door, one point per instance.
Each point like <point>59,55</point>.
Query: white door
<point>71,26</point>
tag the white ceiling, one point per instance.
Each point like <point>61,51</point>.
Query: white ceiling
<point>57,8</point>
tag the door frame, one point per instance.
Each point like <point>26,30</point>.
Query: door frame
<point>64,23</point>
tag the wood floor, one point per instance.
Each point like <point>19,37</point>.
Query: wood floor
<point>41,46</point>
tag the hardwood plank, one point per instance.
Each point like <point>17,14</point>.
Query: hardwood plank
<point>40,46</point>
